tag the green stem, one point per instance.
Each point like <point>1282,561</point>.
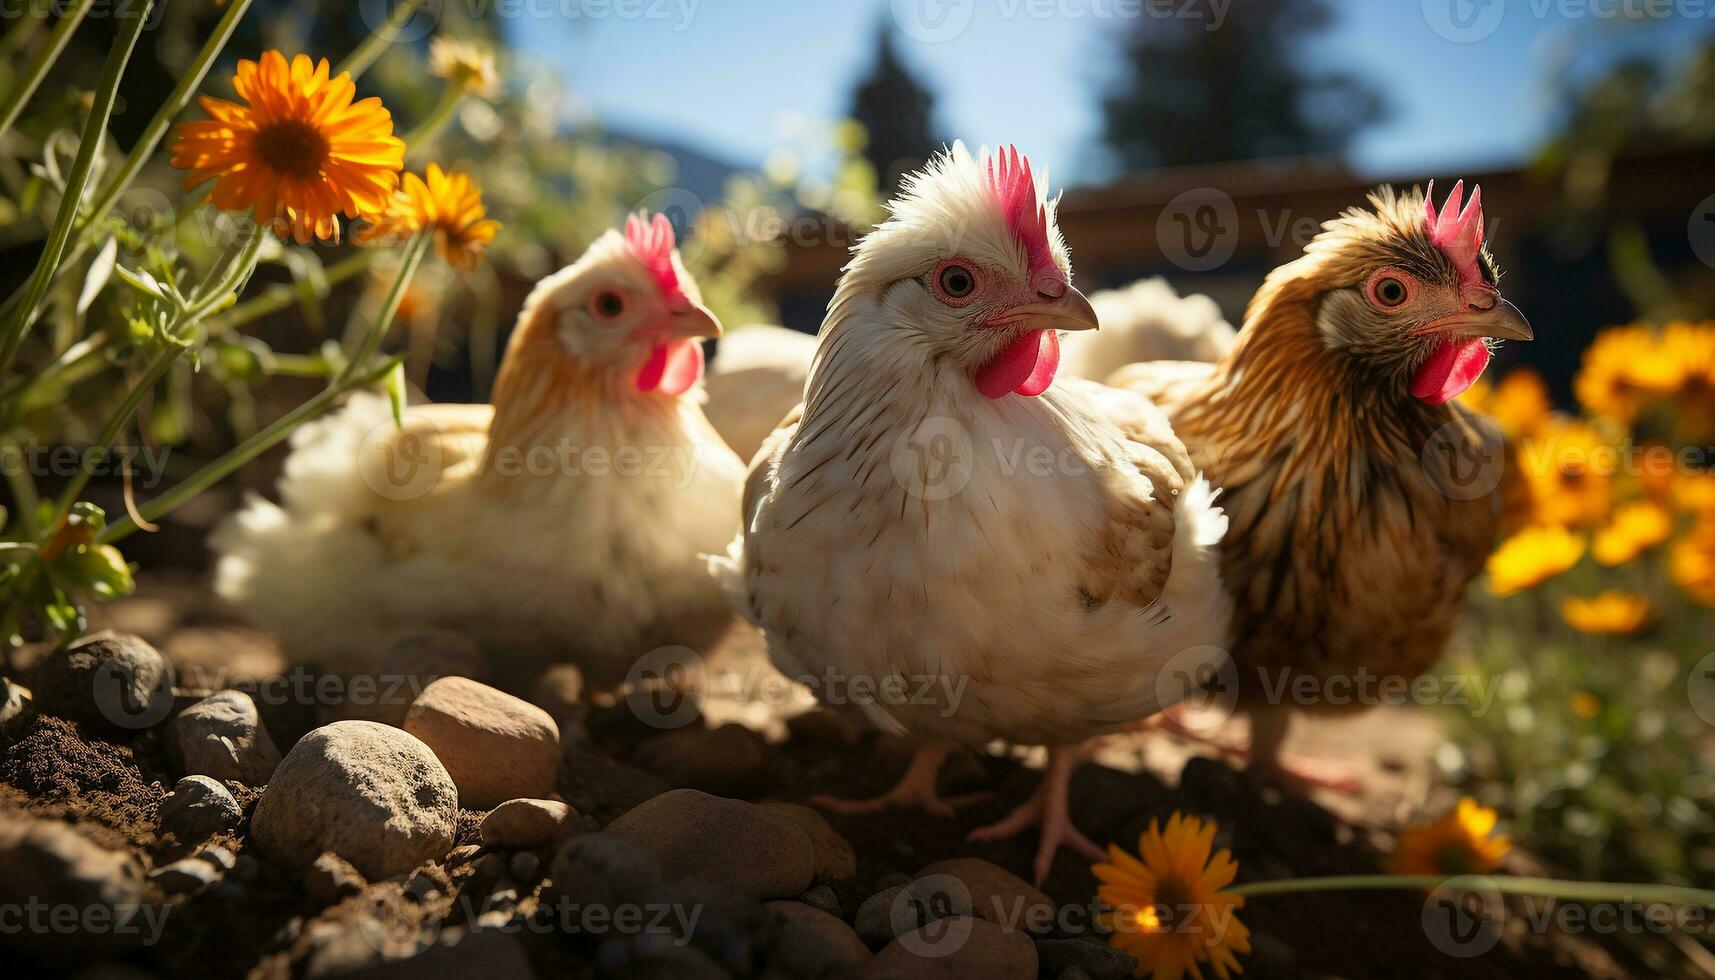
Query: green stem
<point>241,267</point>
<point>366,54</point>
<point>414,252</point>
<point>19,94</point>
<point>244,452</point>
<point>116,422</point>
<point>416,139</point>
<point>24,496</point>
<point>280,297</point>
<point>157,128</point>
<point>24,316</point>
<point>1574,891</point>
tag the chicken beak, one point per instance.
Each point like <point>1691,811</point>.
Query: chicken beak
<point>1058,306</point>
<point>689,319</point>
<point>1491,316</point>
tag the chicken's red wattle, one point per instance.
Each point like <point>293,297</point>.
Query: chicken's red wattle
<point>673,367</point>
<point>1455,366</point>
<point>1026,366</point>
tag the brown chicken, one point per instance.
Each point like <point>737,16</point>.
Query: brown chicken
<point>1346,468</point>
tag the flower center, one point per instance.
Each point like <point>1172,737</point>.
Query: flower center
<point>1174,908</point>
<point>292,146</point>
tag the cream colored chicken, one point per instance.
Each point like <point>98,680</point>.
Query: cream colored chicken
<point>565,521</point>
<point>952,541</point>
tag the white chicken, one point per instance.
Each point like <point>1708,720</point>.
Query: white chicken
<point>1147,321</point>
<point>951,541</point>
<point>565,521</point>
<point>757,377</point>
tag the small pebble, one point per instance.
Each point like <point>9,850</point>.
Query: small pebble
<point>528,823</point>
<point>112,684</point>
<point>496,747</point>
<point>186,876</point>
<point>222,736</point>
<point>199,807</point>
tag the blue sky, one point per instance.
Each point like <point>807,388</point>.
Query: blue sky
<point>739,79</point>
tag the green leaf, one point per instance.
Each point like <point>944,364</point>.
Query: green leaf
<point>396,392</point>
<point>100,270</point>
<point>100,568</point>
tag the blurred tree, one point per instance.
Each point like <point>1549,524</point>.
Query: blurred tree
<point>894,108</point>
<point>1193,95</point>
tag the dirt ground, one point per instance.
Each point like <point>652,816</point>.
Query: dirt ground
<point>267,927</point>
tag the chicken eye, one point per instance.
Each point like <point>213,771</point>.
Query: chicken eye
<point>957,281</point>
<point>1390,291</point>
<point>607,304</point>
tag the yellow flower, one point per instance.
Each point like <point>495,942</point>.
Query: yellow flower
<point>1624,370</point>
<point>1585,705</point>
<point>1457,844</point>
<point>1692,563</point>
<point>1569,469</point>
<point>466,64</point>
<point>298,153</point>
<point>1611,613</point>
<point>1168,909</point>
<point>450,205</point>
<point>1532,557</point>
<point>1635,529</point>
<point>1694,493</point>
<point>1519,404</point>
<point>1692,347</point>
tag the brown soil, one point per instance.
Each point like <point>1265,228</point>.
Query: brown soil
<point>267,926</point>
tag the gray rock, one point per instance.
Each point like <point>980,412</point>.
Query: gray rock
<point>745,849</point>
<point>601,870</point>
<point>199,807</point>
<point>184,877</point>
<point>992,893</point>
<point>370,793</point>
<point>222,736</point>
<point>411,665</point>
<point>496,747</point>
<point>957,946</point>
<point>822,897</point>
<point>331,879</point>
<point>528,823</point>
<point>874,919</point>
<point>655,957</point>
<point>112,684</point>
<point>46,864</point>
<point>730,760</point>
<point>1098,961</point>
<point>812,943</point>
<point>835,860</point>
<point>16,706</point>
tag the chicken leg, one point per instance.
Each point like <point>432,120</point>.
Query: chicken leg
<point>1049,810</point>
<point>914,791</point>
<point>1270,761</point>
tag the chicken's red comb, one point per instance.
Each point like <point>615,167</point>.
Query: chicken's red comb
<point>652,243</point>
<point>1457,232</point>
<point>1010,181</point>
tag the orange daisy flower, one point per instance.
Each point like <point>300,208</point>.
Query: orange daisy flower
<point>1610,613</point>
<point>1168,909</point>
<point>298,153</point>
<point>450,204</point>
<point>1460,843</point>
